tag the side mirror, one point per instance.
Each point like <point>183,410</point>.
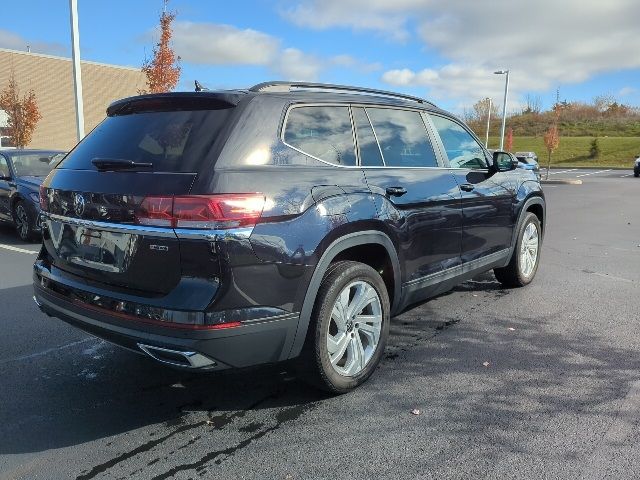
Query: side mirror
<point>504,161</point>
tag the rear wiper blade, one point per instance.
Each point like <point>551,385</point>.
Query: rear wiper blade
<point>110,164</point>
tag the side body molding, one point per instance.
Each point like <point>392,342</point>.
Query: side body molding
<point>341,244</point>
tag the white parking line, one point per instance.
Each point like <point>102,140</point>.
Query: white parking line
<point>17,249</point>
<point>592,173</point>
<point>623,176</point>
<point>563,171</point>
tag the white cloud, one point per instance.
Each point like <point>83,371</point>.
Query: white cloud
<point>387,17</point>
<point>13,41</point>
<point>215,44</point>
<point>293,64</point>
<point>544,43</point>
<point>626,91</point>
<point>347,61</point>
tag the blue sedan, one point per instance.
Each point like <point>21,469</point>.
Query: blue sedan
<point>21,173</point>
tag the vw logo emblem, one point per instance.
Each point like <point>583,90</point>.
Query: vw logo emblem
<point>78,204</point>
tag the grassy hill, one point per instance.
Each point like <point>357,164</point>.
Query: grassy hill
<point>574,151</point>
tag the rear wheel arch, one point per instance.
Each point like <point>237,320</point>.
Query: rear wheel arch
<point>13,201</point>
<point>354,246</point>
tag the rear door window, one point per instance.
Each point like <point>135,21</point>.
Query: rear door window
<point>403,138</point>
<point>173,141</point>
<point>462,149</point>
<point>323,132</point>
<point>4,167</point>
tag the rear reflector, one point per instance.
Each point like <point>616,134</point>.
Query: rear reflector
<point>201,211</point>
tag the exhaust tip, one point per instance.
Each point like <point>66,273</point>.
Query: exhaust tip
<point>177,358</point>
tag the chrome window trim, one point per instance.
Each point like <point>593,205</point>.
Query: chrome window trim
<point>354,137</point>
<point>373,129</point>
<point>364,105</point>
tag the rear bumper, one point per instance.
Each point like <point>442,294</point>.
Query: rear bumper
<point>266,340</point>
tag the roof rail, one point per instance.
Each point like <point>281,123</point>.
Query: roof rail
<point>279,86</point>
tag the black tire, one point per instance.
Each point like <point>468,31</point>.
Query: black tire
<point>636,174</point>
<point>512,275</point>
<point>23,221</point>
<point>315,363</point>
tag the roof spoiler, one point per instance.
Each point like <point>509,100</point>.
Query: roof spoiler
<point>175,101</point>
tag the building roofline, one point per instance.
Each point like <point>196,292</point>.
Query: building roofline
<point>67,59</point>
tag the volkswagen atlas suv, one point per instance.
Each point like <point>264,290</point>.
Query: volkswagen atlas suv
<point>216,230</point>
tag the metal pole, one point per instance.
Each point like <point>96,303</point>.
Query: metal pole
<point>486,141</point>
<point>504,110</point>
<point>77,74</point>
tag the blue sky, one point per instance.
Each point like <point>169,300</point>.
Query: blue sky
<point>444,50</point>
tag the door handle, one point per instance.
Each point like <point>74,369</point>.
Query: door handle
<point>467,187</point>
<point>396,191</point>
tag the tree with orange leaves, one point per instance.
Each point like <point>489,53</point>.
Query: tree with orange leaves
<point>509,140</point>
<point>551,141</point>
<point>163,70</point>
<point>22,114</point>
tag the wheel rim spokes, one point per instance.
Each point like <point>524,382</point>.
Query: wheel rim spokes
<point>354,328</point>
<point>529,250</point>
<point>22,222</point>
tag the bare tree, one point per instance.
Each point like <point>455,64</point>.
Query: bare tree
<point>533,104</point>
<point>603,102</point>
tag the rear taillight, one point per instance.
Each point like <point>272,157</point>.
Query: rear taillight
<point>44,199</point>
<point>201,211</point>
<point>157,211</point>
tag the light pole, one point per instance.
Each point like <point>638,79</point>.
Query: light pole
<point>486,141</point>
<point>504,104</point>
<point>77,74</point>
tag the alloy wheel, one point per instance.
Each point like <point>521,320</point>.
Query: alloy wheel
<point>354,328</point>
<point>22,221</point>
<point>529,250</point>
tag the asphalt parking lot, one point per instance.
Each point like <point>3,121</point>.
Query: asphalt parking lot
<point>539,382</point>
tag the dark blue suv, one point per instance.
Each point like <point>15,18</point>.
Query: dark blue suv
<point>215,230</point>
<point>21,173</point>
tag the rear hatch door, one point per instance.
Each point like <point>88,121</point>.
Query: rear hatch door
<point>100,224</point>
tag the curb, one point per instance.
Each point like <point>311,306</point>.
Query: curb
<point>569,181</point>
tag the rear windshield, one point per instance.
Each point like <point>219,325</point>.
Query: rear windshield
<point>172,141</point>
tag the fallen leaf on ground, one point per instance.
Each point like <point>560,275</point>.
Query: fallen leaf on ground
<point>209,422</point>
<point>415,411</point>
<point>511,329</point>
<point>486,364</point>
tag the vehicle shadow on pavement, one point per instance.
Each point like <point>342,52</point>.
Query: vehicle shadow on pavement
<point>94,390</point>
<point>8,236</point>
